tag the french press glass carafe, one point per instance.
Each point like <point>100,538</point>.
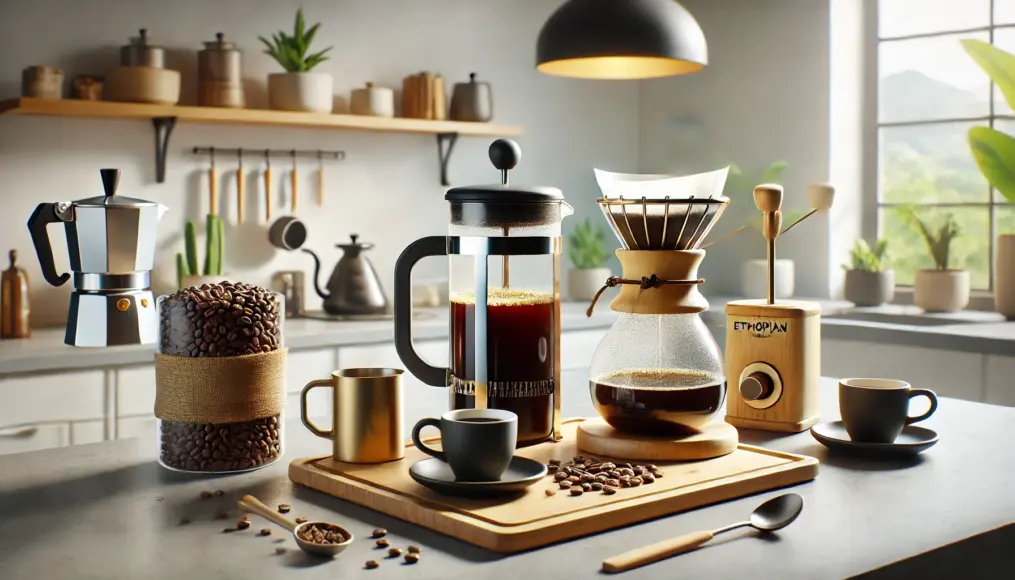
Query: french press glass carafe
<point>504,248</point>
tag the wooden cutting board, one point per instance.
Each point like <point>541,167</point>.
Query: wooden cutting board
<point>533,519</point>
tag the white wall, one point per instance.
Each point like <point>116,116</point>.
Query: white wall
<point>387,190</point>
<point>764,97</point>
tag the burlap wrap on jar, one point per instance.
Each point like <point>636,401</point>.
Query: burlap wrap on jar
<point>220,378</point>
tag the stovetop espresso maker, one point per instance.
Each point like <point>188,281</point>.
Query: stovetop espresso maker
<point>111,245</point>
<point>504,250</point>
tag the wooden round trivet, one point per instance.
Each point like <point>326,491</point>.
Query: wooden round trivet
<point>595,436</point>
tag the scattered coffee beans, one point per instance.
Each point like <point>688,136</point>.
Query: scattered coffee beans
<point>217,320</point>
<point>321,533</point>
<point>382,543</point>
<point>379,533</point>
<point>371,564</point>
<point>411,558</point>
<point>301,520</point>
<point>577,490</point>
<point>394,552</point>
<point>586,487</point>
<point>589,474</point>
<point>609,490</point>
<point>414,550</point>
<point>242,524</point>
<point>550,492</point>
<point>264,532</point>
<point>564,485</point>
<point>283,508</point>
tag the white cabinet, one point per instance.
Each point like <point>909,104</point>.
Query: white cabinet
<point>56,397</point>
<point>143,426</point>
<point>22,438</point>
<point>135,390</point>
<point>82,432</point>
<point>1000,380</point>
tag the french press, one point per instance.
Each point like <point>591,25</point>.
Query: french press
<point>504,247</point>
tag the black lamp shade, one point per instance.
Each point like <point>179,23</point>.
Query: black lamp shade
<point>621,39</point>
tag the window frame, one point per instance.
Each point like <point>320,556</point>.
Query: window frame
<point>874,204</point>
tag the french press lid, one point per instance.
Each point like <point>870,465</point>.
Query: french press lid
<point>504,205</point>
<point>110,180</point>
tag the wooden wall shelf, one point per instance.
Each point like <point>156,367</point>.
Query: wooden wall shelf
<point>164,118</point>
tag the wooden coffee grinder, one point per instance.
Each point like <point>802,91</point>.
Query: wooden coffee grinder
<point>773,349</point>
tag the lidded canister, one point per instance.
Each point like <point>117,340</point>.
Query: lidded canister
<point>140,53</point>
<point>220,74</point>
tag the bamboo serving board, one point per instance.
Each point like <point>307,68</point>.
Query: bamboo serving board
<point>533,519</point>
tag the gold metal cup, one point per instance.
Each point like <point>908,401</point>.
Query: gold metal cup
<point>366,414</point>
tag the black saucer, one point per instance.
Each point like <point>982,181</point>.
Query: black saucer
<point>913,440</point>
<point>436,475</point>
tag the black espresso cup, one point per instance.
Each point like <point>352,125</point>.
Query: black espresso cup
<point>876,410</point>
<point>477,443</point>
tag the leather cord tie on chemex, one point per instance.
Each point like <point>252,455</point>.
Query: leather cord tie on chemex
<point>645,283</point>
<point>220,389</point>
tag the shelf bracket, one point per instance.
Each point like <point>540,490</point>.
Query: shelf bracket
<point>444,155</point>
<point>163,128</point>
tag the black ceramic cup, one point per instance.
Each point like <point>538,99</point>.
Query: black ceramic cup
<point>876,410</point>
<point>477,443</point>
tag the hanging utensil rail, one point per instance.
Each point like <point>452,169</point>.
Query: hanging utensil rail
<point>310,154</point>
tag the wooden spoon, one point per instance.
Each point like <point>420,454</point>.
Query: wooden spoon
<point>252,505</point>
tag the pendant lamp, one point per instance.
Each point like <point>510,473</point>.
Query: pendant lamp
<point>621,39</point>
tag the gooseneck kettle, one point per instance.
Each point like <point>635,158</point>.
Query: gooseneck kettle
<point>111,246</point>
<point>353,287</point>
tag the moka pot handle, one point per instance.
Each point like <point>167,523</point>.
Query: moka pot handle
<point>421,248</point>
<point>45,214</point>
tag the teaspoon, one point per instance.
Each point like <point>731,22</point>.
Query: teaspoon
<point>774,514</point>
<point>252,505</point>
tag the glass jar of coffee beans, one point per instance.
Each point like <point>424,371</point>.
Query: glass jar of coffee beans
<point>220,320</point>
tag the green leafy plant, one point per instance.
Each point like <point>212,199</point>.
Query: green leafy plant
<point>587,246</point>
<point>214,250</point>
<point>938,242</point>
<point>741,185</point>
<point>863,257</point>
<point>993,150</point>
<point>291,51</point>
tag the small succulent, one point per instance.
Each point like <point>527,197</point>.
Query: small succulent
<point>863,257</point>
<point>291,51</point>
<point>187,263</point>
<point>587,246</point>
<point>939,243</point>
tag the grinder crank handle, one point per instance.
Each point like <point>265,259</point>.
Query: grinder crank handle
<point>45,214</point>
<point>414,252</point>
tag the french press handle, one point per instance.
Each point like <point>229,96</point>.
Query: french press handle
<point>421,248</point>
<point>45,214</point>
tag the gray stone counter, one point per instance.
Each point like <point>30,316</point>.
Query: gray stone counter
<point>108,511</point>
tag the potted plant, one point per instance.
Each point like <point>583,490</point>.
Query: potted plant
<point>298,89</point>
<point>939,289</point>
<point>588,254</point>
<point>869,280</point>
<point>187,271</point>
<point>754,273</point>
<point>994,153</point>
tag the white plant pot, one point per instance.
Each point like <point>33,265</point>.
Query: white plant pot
<point>195,280</point>
<point>309,92</point>
<point>941,290</point>
<point>754,278</point>
<point>1004,276</point>
<point>582,284</point>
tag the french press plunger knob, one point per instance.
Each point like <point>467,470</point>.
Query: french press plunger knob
<point>505,155</point>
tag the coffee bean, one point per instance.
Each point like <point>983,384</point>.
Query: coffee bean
<point>414,549</point>
<point>607,466</point>
<point>638,470</point>
<point>574,479</point>
<point>651,467</point>
<point>394,552</point>
<point>382,543</point>
<point>560,476</point>
<point>657,474</point>
<point>371,564</point>
<point>555,462</point>
<point>609,490</point>
<point>601,479</point>
<point>552,468</point>
<point>206,495</point>
<point>264,532</point>
<point>283,508</point>
<point>577,490</point>
<point>635,481</point>
<point>596,486</point>
<point>648,478</point>
<point>280,551</point>
<point>301,520</point>
<point>411,558</point>
<point>550,492</point>
<point>243,524</point>
<point>564,485</point>
<point>379,533</point>
<point>219,493</point>
<point>588,478</point>
<point>586,487</point>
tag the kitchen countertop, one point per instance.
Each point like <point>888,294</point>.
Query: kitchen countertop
<point>108,511</point>
<point>45,350</point>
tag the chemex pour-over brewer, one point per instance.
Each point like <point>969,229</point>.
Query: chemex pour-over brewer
<point>773,348</point>
<point>657,378</point>
<point>111,244</point>
<point>505,247</point>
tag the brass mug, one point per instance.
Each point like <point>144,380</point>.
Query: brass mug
<point>366,414</point>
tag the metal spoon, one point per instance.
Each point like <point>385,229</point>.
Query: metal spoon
<point>252,505</point>
<point>774,514</point>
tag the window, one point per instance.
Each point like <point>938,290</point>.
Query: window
<point>930,92</point>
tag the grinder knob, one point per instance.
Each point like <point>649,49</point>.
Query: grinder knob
<point>757,386</point>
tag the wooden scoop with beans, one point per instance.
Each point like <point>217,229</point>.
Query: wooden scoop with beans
<point>317,538</point>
